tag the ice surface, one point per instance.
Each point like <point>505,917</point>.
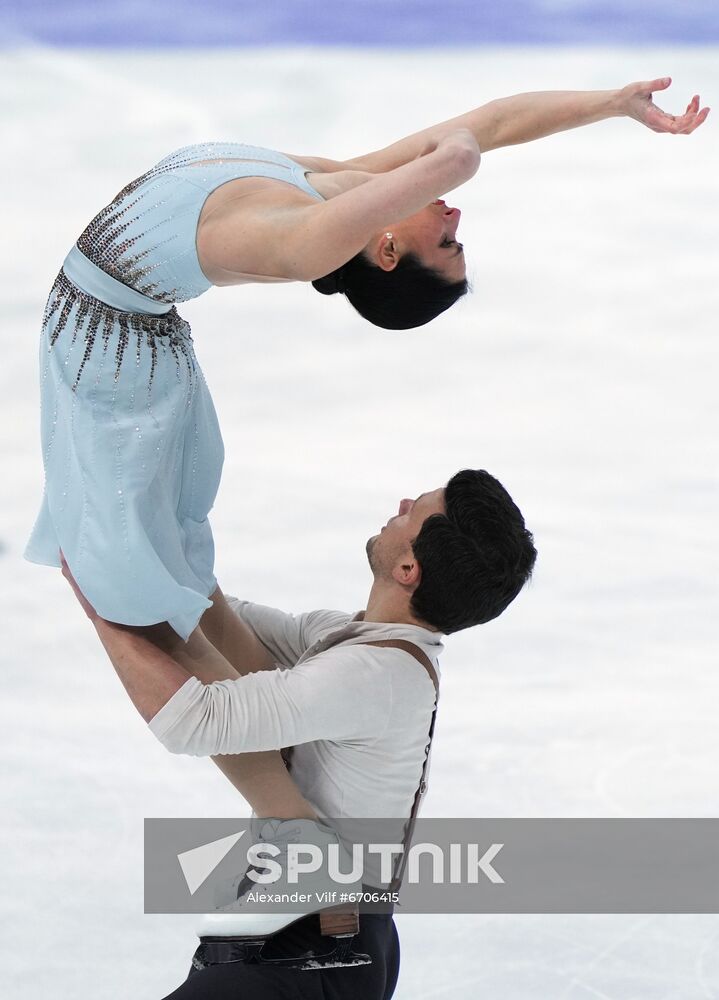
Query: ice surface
<point>582,372</point>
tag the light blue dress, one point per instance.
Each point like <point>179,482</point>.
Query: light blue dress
<point>132,450</point>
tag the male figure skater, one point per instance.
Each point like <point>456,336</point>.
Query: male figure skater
<point>357,715</point>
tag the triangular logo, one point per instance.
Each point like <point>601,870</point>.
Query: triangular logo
<point>200,862</point>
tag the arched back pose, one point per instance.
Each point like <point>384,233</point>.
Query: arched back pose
<point>131,445</point>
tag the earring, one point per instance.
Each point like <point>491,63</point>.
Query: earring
<point>389,236</point>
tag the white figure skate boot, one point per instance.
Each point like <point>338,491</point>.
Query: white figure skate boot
<point>237,932</point>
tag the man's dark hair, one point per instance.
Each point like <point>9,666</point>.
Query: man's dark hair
<point>408,296</point>
<point>475,558</point>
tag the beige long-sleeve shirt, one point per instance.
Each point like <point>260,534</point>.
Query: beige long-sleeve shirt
<point>357,715</point>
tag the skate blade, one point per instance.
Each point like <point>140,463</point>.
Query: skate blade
<point>355,958</point>
<point>340,957</point>
<point>309,963</point>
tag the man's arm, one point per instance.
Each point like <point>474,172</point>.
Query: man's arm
<point>158,648</point>
<point>525,117</point>
<point>342,693</point>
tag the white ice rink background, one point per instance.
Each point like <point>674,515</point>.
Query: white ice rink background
<point>582,372</point>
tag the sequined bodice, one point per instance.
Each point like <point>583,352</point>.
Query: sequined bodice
<point>146,236</point>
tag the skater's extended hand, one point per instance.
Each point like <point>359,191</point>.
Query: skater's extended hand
<point>86,606</point>
<point>636,102</point>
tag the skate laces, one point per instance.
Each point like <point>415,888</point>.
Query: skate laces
<point>281,834</point>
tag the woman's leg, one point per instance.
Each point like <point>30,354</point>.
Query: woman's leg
<point>233,638</point>
<point>261,778</point>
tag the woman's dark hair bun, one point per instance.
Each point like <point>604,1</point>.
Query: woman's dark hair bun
<point>408,296</point>
<point>330,283</point>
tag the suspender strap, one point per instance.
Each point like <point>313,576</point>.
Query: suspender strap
<point>421,657</point>
<point>413,650</point>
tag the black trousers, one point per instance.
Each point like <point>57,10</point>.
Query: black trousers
<point>241,981</point>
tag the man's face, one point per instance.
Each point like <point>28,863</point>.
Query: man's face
<point>394,542</point>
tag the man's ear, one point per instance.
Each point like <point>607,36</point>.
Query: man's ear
<point>408,571</point>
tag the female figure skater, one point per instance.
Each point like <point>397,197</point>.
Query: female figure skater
<point>131,446</point>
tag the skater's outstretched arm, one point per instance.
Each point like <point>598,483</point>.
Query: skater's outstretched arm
<point>524,117</point>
